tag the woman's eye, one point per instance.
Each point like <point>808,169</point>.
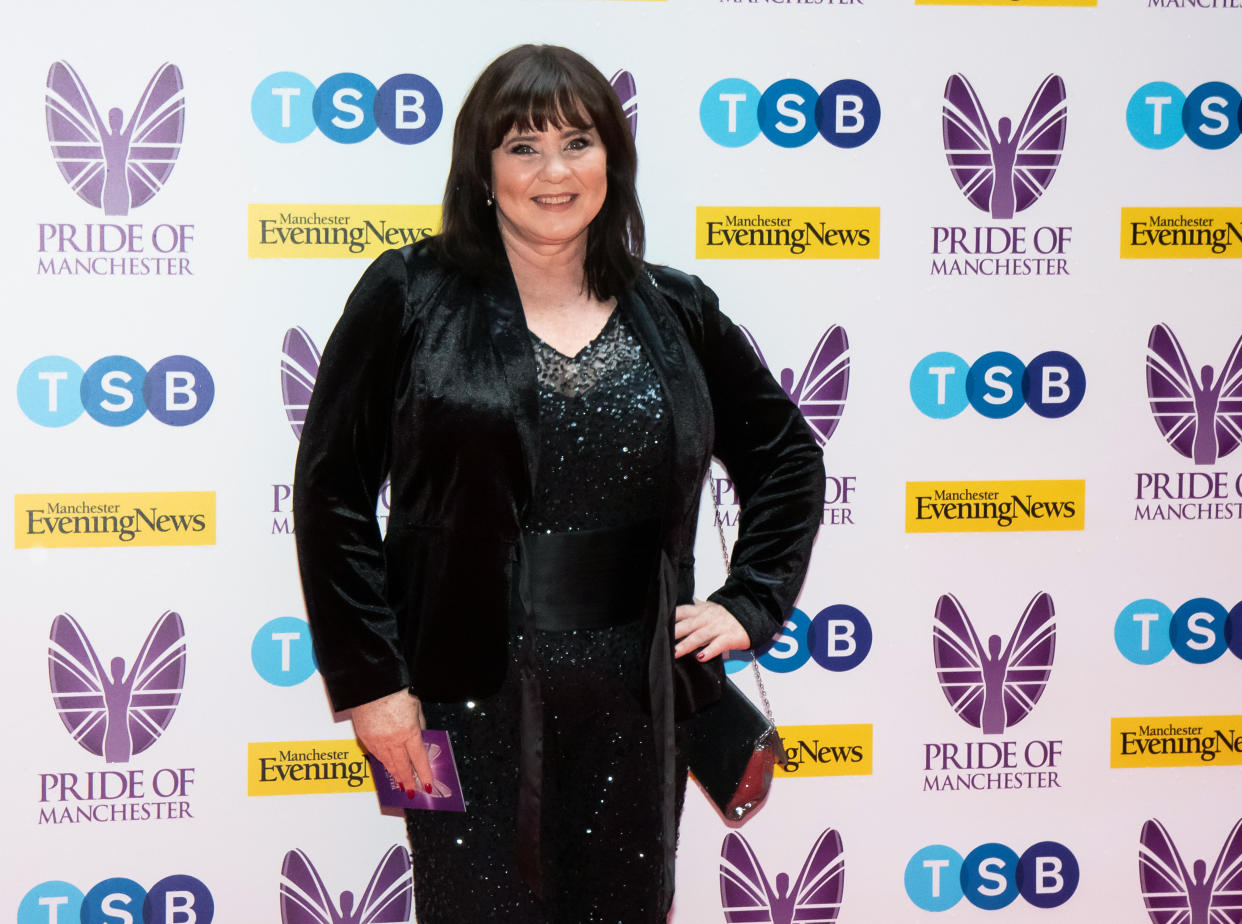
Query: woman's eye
<point>521,149</point>
<point>577,144</point>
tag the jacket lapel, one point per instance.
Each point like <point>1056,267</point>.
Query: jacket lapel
<point>689,405</point>
<point>507,327</point>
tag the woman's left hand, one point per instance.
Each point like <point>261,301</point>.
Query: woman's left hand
<point>707,626</point>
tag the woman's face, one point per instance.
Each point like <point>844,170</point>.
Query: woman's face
<point>549,185</point>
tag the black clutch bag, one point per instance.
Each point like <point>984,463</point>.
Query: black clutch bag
<point>732,749</point>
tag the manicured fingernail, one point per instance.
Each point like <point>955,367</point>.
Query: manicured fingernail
<point>427,788</point>
<point>702,655</point>
<point>410,793</point>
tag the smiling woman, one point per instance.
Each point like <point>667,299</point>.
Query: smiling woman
<point>546,405</point>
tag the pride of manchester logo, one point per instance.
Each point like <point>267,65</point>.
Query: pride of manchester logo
<point>747,895</point>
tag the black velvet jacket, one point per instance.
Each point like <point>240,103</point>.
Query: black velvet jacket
<point>429,376</point>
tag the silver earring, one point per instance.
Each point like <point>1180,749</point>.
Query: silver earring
<point>490,200</point>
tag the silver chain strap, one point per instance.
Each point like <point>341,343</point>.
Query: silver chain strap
<point>754,661</point>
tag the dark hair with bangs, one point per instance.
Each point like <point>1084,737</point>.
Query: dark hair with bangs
<point>532,88</point>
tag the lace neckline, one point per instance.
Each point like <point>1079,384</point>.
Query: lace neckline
<point>608,325</point>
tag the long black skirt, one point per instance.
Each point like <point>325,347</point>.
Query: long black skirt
<point>601,833</point>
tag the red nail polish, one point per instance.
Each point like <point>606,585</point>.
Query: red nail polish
<point>427,788</point>
<point>410,793</point>
<point>702,656</point>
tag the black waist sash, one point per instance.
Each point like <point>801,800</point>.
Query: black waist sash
<point>590,579</point>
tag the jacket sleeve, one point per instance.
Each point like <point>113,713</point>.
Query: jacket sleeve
<point>777,470</point>
<point>341,464</point>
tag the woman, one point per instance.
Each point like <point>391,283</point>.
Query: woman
<point>546,405</point>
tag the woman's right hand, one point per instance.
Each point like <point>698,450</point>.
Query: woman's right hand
<point>391,730</point>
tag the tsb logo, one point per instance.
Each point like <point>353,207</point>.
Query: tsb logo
<point>115,391</point>
<point>347,108</point>
<point>172,900</point>
<point>789,113</point>
<point>1200,630</point>
<point>281,652</point>
<point>997,384</point>
<point>991,876</point>
<point>838,639</point>
<point>1159,115</point>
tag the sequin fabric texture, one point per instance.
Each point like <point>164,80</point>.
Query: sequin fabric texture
<point>604,453</point>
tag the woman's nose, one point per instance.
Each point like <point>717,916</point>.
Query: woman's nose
<point>554,168</point>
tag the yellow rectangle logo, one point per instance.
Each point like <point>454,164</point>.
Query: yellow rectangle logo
<point>994,506</point>
<point>1181,234</point>
<point>336,231</point>
<point>114,521</point>
<point>301,768</point>
<point>1004,2</point>
<point>1176,741</point>
<point>826,750</point>
<point>794,233</point>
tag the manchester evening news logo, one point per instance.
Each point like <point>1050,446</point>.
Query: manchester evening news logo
<point>115,165</point>
<point>295,768</point>
<point>1181,233</point>
<point>994,506</point>
<point>1002,169</point>
<point>122,520</point>
<point>992,686</point>
<point>787,233</point>
<point>1176,894</point>
<point>387,898</point>
<point>336,231</point>
<point>1176,741</point>
<point>747,896</point>
<point>116,710</point>
<point>826,750</point>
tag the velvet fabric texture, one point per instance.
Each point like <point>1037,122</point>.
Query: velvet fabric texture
<point>429,378</point>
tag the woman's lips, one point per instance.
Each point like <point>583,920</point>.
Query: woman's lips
<point>554,202</point>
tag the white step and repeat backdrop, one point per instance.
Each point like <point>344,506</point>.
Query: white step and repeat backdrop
<point>1000,241</point>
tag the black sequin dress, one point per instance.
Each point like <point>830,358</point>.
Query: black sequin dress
<point>604,462</point>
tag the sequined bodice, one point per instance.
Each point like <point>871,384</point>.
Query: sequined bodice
<point>604,434</point>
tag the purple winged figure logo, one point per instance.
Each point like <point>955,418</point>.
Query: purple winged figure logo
<point>110,165</point>
<point>1175,895</point>
<point>627,92</point>
<point>1200,416</point>
<point>387,899</point>
<point>821,390</point>
<point>299,364</point>
<point>108,712</point>
<point>747,896</point>
<point>1003,171</point>
<point>992,689</point>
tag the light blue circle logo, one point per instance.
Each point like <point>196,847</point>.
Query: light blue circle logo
<point>1200,630</point>
<point>49,391</point>
<point>109,901</point>
<point>1210,115</point>
<point>735,661</point>
<point>839,638</point>
<point>408,108</point>
<point>848,113</point>
<point>281,107</point>
<point>938,385</point>
<point>1143,631</point>
<point>789,651</point>
<point>994,385</point>
<point>934,878</point>
<point>179,900</point>
<point>112,390</point>
<point>1154,115</point>
<point>990,876</point>
<point>344,107</point>
<point>1054,384</point>
<point>53,900</point>
<point>178,390</point>
<point>282,653</point>
<point>787,113</point>
<point>729,112</point>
